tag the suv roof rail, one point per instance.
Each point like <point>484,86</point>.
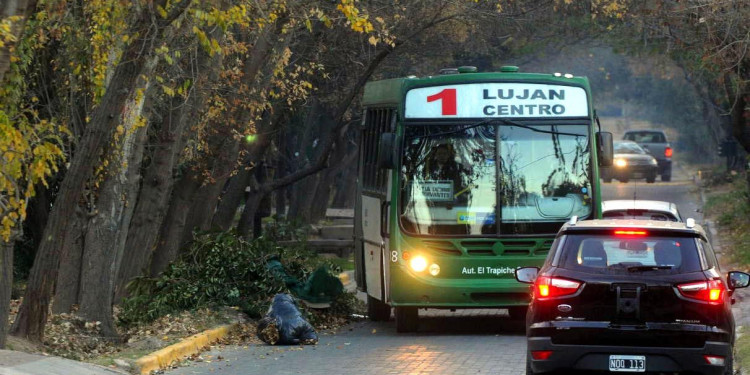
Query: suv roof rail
<point>690,223</point>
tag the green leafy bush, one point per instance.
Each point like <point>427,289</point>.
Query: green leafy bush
<point>731,208</point>
<point>216,269</point>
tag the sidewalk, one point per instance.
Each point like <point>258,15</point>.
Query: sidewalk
<point>20,363</point>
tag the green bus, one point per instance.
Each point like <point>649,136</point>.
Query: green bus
<point>465,177</point>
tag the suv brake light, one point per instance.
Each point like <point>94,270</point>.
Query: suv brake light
<point>711,291</point>
<point>668,152</point>
<point>550,287</point>
<point>629,232</point>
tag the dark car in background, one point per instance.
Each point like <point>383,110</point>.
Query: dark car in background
<point>654,142</point>
<point>630,162</point>
<point>631,296</point>
<point>640,210</point>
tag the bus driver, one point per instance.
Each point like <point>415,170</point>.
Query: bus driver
<point>441,165</point>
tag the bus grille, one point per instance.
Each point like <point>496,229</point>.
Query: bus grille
<point>489,247</point>
<point>445,247</point>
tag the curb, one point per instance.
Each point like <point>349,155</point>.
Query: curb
<point>185,348</point>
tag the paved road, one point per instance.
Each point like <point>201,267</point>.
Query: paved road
<point>465,342</point>
<point>681,190</point>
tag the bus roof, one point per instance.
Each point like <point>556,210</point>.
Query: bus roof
<point>392,91</point>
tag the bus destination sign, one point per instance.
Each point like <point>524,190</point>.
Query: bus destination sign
<point>477,100</point>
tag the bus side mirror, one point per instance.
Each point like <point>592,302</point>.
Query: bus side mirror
<point>387,153</point>
<point>605,149</point>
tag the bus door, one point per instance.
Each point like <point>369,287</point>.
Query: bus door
<point>372,206</point>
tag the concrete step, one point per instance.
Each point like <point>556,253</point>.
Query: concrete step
<point>337,232</point>
<point>340,213</point>
<point>342,221</point>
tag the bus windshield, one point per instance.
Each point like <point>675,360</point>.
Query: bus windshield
<point>452,177</point>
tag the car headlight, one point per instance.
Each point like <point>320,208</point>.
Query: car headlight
<point>652,162</point>
<point>418,263</point>
<point>621,163</point>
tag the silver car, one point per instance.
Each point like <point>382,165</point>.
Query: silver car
<point>640,209</point>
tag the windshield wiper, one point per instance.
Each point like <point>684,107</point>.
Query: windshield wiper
<point>502,121</point>
<point>648,268</point>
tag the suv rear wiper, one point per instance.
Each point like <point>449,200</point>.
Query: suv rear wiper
<point>648,268</point>
<point>502,121</point>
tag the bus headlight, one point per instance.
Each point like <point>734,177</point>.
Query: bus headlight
<point>434,269</point>
<point>418,263</point>
<point>621,163</point>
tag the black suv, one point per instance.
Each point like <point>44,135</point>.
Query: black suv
<point>631,296</point>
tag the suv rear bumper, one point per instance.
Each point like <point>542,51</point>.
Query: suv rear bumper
<point>580,357</point>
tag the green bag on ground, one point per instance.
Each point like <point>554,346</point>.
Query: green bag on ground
<point>320,288</point>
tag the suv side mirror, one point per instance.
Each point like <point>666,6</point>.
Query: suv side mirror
<point>527,275</point>
<point>738,280</point>
<point>605,149</point>
<point>387,153</point>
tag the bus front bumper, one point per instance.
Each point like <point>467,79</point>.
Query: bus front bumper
<point>423,290</point>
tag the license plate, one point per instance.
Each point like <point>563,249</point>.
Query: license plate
<point>627,363</point>
<point>637,175</point>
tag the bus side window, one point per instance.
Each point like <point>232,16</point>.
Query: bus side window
<point>377,122</point>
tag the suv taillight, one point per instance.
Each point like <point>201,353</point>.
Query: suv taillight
<point>551,287</point>
<point>711,291</point>
<point>668,152</point>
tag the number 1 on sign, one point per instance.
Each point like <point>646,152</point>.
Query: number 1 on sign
<point>448,100</point>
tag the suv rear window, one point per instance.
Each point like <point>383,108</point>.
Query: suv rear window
<point>617,255</point>
<point>646,137</point>
<point>640,215</point>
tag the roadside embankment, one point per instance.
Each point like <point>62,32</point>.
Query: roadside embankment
<point>727,209</point>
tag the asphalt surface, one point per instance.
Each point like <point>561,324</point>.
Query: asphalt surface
<point>20,363</point>
<point>464,342</point>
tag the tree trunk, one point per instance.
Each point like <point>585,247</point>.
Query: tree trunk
<point>38,212</point>
<point>158,178</point>
<point>205,201</point>
<point>247,220</point>
<point>108,229</point>
<point>739,120</point>
<point>232,197</point>
<point>153,199</point>
<point>6,284</point>
<point>281,166</point>
<point>32,315</point>
<point>67,287</point>
<point>168,245</point>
